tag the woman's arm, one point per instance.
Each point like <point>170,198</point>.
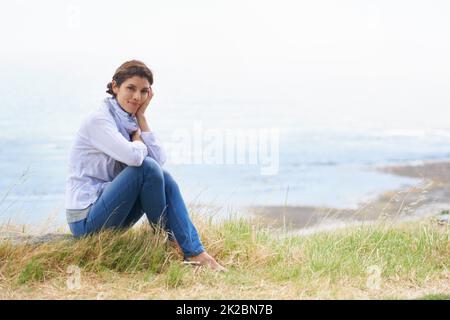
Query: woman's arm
<point>155,149</point>
<point>103,135</point>
<point>142,122</point>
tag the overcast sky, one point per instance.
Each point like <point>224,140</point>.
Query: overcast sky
<point>377,56</point>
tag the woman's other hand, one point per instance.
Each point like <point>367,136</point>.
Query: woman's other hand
<point>136,136</point>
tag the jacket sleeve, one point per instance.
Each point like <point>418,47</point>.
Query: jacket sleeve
<point>154,147</point>
<point>104,136</point>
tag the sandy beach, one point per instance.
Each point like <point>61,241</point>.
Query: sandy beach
<point>428,198</point>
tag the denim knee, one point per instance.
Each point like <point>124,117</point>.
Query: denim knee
<point>152,168</point>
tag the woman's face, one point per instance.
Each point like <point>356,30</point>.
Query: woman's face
<point>132,93</point>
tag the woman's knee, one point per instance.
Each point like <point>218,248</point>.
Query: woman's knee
<point>152,168</point>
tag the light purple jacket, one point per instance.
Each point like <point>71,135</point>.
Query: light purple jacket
<point>97,156</point>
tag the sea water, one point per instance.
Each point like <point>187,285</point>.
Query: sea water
<point>317,160</point>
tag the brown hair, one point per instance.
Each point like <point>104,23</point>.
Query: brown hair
<point>130,69</point>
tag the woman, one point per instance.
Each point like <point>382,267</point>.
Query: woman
<point>115,169</point>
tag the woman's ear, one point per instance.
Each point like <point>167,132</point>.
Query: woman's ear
<point>115,87</point>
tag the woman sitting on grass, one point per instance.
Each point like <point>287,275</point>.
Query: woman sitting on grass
<point>115,169</point>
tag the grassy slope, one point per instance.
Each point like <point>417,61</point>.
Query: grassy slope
<point>410,260</point>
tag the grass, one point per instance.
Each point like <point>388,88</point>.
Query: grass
<point>436,296</point>
<point>380,261</point>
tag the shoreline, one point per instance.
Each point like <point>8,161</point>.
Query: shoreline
<point>427,198</point>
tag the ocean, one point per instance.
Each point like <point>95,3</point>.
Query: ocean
<point>289,154</point>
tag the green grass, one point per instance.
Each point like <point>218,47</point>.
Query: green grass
<point>258,258</point>
<point>33,271</point>
<point>175,274</point>
<point>435,296</point>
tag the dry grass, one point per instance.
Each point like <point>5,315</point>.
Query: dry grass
<point>372,262</point>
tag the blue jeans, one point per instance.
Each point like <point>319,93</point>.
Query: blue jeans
<point>137,190</point>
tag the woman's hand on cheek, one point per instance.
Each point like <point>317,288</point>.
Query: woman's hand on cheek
<point>143,107</point>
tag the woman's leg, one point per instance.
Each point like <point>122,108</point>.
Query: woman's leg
<point>115,208</point>
<point>178,221</point>
<point>135,214</point>
<point>168,208</point>
<point>148,189</point>
<point>180,224</point>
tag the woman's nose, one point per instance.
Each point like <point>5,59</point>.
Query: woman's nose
<point>136,96</point>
